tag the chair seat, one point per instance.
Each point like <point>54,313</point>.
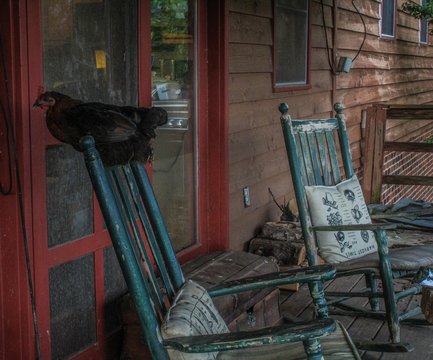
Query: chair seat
<point>336,346</point>
<point>409,258</point>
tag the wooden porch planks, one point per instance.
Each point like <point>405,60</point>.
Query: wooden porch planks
<point>298,306</point>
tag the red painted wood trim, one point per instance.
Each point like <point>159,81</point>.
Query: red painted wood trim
<point>98,259</point>
<point>75,249</point>
<point>217,160</point>
<point>38,135</point>
<point>17,333</point>
<point>212,99</point>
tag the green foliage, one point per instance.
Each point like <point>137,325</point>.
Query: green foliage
<point>419,11</point>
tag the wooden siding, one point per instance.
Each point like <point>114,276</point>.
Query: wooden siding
<point>395,71</point>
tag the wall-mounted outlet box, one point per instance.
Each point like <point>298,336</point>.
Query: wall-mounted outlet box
<point>247,199</point>
<point>344,64</point>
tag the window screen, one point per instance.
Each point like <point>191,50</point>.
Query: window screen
<point>291,43</point>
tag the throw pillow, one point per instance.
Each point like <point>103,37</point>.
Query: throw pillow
<point>342,204</point>
<point>192,313</point>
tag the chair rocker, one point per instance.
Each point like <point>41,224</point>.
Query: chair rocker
<point>336,225</point>
<point>178,318</point>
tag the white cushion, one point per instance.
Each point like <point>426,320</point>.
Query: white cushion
<point>192,313</point>
<point>342,204</point>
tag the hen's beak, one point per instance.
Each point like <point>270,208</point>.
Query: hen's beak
<point>37,103</point>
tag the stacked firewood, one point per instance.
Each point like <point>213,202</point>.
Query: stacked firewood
<point>281,241</point>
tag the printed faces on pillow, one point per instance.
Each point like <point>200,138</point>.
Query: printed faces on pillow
<point>342,204</point>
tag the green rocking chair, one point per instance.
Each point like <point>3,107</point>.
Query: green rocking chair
<point>178,317</point>
<point>336,224</point>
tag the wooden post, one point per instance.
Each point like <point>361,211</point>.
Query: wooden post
<point>379,139</point>
<point>370,129</point>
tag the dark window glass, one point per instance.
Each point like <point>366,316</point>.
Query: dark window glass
<point>69,195</point>
<point>173,88</point>
<point>291,42</point>
<point>90,49</point>
<point>115,287</point>
<point>388,18</point>
<point>72,307</point>
<point>423,27</point>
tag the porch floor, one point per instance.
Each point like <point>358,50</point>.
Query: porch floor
<point>297,305</point>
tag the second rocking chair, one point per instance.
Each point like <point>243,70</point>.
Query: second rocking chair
<point>336,224</point>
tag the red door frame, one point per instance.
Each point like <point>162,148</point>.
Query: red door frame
<point>16,332</point>
<point>22,18</point>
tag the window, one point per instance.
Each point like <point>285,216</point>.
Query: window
<point>423,27</point>
<point>387,28</point>
<point>291,44</point>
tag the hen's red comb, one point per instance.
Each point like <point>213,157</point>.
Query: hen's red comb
<point>41,90</point>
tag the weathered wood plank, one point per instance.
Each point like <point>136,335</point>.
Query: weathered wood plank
<point>354,97</point>
<point>252,7</point>
<point>254,114</point>
<point>413,112</point>
<point>407,180</point>
<point>411,147</point>
<point>258,87</point>
<point>373,77</point>
<point>251,170</point>
<point>367,8</point>
<point>249,144</point>
<point>407,130</point>
<point>349,40</point>
<point>248,29</point>
<point>246,58</point>
<point>370,132</point>
<point>379,138</point>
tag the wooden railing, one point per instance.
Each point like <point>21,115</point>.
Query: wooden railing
<point>376,146</point>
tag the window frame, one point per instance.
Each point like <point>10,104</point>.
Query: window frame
<point>294,86</point>
<point>394,27</point>
<point>423,2</point>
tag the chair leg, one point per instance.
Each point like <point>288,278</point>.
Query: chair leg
<point>318,295</point>
<point>388,288</point>
<point>371,282</point>
<point>313,349</point>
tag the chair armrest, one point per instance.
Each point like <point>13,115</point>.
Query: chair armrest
<point>240,340</point>
<point>356,227</point>
<point>301,275</point>
<point>378,229</point>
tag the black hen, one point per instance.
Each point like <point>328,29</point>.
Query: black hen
<point>121,133</point>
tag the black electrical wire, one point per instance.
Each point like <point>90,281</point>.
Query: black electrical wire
<point>13,152</point>
<point>365,30</point>
<point>330,62</point>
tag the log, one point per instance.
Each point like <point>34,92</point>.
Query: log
<point>427,303</point>
<point>284,253</point>
<point>283,230</point>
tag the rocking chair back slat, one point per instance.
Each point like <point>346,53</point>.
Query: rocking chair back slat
<point>312,146</point>
<point>306,155</point>
<point>171,265</point>
<point>138,223</point>
<point>324,159</point>
<point>333,157</point>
